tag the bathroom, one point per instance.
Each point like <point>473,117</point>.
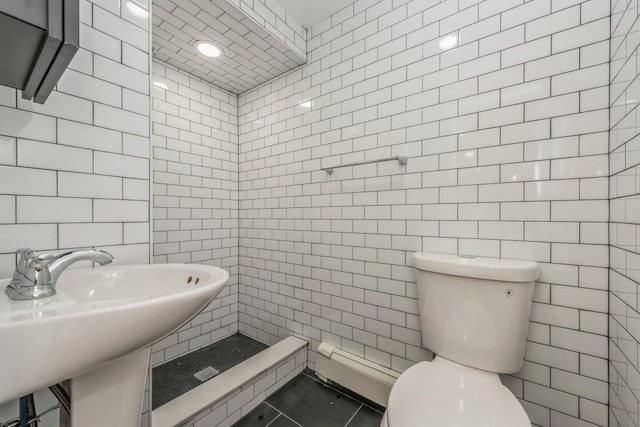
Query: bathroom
<point>518,120</point>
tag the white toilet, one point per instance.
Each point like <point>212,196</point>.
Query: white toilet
<point>474,314</point>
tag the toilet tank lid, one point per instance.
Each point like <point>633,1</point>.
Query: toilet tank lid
<point>506,270</point>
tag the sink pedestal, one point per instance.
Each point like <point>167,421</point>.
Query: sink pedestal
<point>111,395</point>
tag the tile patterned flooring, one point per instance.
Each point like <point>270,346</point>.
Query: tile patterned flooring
<point>304,401</point>
<point>307,402</point>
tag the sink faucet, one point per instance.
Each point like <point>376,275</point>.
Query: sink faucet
<point>36,275</point>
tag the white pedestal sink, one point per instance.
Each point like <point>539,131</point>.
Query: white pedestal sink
<point>97,331</point>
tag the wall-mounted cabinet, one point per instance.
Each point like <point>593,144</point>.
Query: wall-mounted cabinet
<point>38,39</point>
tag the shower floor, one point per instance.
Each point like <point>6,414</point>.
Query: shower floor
<point>176,377</point>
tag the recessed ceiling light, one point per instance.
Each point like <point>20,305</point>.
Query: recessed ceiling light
<point>306,104</point>
<point>208,49</point>
<point>161,85</point>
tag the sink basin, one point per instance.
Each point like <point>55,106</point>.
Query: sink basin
<point>98,316</point>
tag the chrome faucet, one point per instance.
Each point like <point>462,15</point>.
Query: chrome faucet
<point>36,275</point>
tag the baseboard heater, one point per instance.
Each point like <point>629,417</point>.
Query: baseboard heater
<point>366,378</point>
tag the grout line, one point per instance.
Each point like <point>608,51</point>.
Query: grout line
<point>354,415</point>
<point>281,414</point>
<point>273,420</point>
<point>275,409</point>
<point>292,420</point>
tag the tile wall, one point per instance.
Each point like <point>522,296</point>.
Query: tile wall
<point>74,172</point>
<point>271,16</point>
<point>195,195</point>
<point>502,107</point>
<point>624,234</point>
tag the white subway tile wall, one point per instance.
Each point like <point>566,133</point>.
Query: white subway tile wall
<point>195,196</point>
<point>78,166</point>
<point>74,172</point>
<point>624,231</point>
<point>502,108</point>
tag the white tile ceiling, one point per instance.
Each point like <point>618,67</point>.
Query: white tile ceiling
<point>251,55</point>
<point>311,12</point>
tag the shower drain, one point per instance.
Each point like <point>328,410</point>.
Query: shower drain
<point>206,374</point>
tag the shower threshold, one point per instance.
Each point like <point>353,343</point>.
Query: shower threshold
<point>223,399</point>
<point>178,376</point>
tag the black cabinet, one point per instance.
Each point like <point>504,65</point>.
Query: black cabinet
<point>38,39</point>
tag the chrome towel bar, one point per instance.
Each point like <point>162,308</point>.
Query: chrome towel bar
<point>401,159</point>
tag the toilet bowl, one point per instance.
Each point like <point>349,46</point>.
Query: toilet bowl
<point>443,393</point>
<point>474,314</point>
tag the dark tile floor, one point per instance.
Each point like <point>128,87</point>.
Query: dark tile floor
<point>176,377</point>
<point>307,402</point>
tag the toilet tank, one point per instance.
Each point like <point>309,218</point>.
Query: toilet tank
<point>475,311</point>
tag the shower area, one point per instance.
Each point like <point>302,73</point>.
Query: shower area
<point>196,173</point>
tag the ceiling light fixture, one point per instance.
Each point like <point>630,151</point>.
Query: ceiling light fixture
<point>161,85</point>
<point>208,49</point>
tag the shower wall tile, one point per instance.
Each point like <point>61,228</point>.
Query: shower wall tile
<point>624,367</point>
<point>195,195</point>
<point>64,155</point>
<point>501,107</point>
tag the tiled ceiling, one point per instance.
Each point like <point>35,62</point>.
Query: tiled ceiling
<point>311,12</point>
<point>251,55</point>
